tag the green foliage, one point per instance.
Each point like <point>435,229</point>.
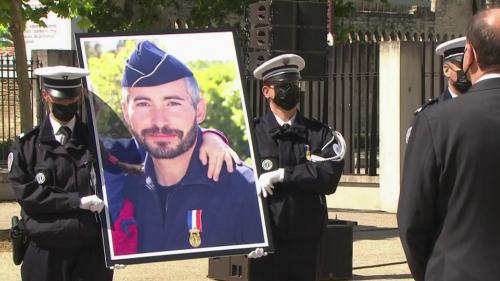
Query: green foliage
<point>5,37</point>
<point>106,71</point>
<point>63,8</point>
<point>217,81</point>
<point>343,9</point>
<point>213,13</point>
<point>126,15</point>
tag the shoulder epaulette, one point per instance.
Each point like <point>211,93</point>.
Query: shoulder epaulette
<point>426,104</point>
<point>28,133</point>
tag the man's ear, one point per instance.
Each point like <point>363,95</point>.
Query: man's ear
<point>201,111</point>
<point>447,70</point>
<point>265,91</point>
<point>45,96</point>
<point>469,56</point>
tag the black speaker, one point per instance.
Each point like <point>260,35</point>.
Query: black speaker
<point>288,25</point>
<point>276,37</point>
<point>278,27</point>
<point>336,257</point>
<point>336,250</point>
<point>279,12</point>
<point>316,62</point>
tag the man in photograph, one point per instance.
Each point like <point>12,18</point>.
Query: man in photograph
<point>176,206</point>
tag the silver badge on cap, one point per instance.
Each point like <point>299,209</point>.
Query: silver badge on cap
<point>40,178</point>
<point>10,160</point>
<point>267,164</point>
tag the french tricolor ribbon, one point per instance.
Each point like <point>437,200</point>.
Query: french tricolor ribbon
<point>194,219</point>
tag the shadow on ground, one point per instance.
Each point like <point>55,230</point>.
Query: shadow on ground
<point>381,276</point>
<point>370,232</point>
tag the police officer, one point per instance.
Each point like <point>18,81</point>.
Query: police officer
<point>448,206</point>
<point>301,160</point>
<point>52,175</point>
<point>452,52</point>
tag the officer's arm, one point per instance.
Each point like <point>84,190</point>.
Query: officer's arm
<point>215,151</point>
<point>318,177</point>
<point>416,218</point>
<point>33,197</point>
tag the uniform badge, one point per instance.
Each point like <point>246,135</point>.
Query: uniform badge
<point>40,178</point>
<point>149,183</point>
<point>307,150</point>
<point>267,164</point>
<point>10,160</point>
<point>195,227</point>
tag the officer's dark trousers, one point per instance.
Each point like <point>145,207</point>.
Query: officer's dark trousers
<point>83,263</point>
<point>292,261</point>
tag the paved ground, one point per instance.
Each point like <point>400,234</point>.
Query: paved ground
<point>377,252</point>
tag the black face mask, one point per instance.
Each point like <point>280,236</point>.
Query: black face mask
<point>287,96</point>
<point>64,113</point>
<point>462,84</point>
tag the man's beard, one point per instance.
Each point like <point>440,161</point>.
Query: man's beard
<point>161,150</point>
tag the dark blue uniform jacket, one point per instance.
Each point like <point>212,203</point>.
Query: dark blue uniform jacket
<point>230,210</point>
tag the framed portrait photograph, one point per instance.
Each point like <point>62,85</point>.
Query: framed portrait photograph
<point>176,166</point>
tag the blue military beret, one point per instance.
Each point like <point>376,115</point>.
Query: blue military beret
<point>150,66</point>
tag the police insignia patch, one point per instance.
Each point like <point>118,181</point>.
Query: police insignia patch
<point>40,178</point>
<point>10,160</point>
<point>267,164</point>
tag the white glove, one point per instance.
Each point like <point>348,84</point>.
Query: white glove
<point>117,266</point>
<point>257,253</point>
<point>266,181</point>
<point>92,203</point>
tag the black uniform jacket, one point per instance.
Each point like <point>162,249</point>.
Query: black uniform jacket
<point>298,206</point>
<point>48,180</point>
<point>450,197</point>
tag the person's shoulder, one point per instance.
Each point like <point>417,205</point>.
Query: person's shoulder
<point>314,125</point>
<point>28,136</point>
<point>132,181</point>
<point>242,174</point>
<point>427,105</point>
<point>119,147</point>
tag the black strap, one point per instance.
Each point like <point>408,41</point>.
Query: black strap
<point>66,133</point>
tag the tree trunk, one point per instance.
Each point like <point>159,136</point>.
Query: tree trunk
<point>16,29</point>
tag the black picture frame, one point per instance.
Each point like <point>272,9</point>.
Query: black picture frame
<point>203,45</point>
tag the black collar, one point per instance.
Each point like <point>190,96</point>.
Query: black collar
<point>298,127</point>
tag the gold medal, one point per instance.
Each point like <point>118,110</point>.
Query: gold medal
<point>195,237</point>
<point>308,152</point>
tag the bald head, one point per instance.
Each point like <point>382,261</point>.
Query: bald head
<point>483,33</point>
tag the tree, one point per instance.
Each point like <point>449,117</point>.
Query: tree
<point>15,14</point>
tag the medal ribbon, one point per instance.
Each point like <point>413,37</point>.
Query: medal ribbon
<point>194,219</point>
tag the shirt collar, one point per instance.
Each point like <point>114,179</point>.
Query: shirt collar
<point>452,93</point>
<point>56,125</point>
<point>289,122</point>
<point>488,76</point>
